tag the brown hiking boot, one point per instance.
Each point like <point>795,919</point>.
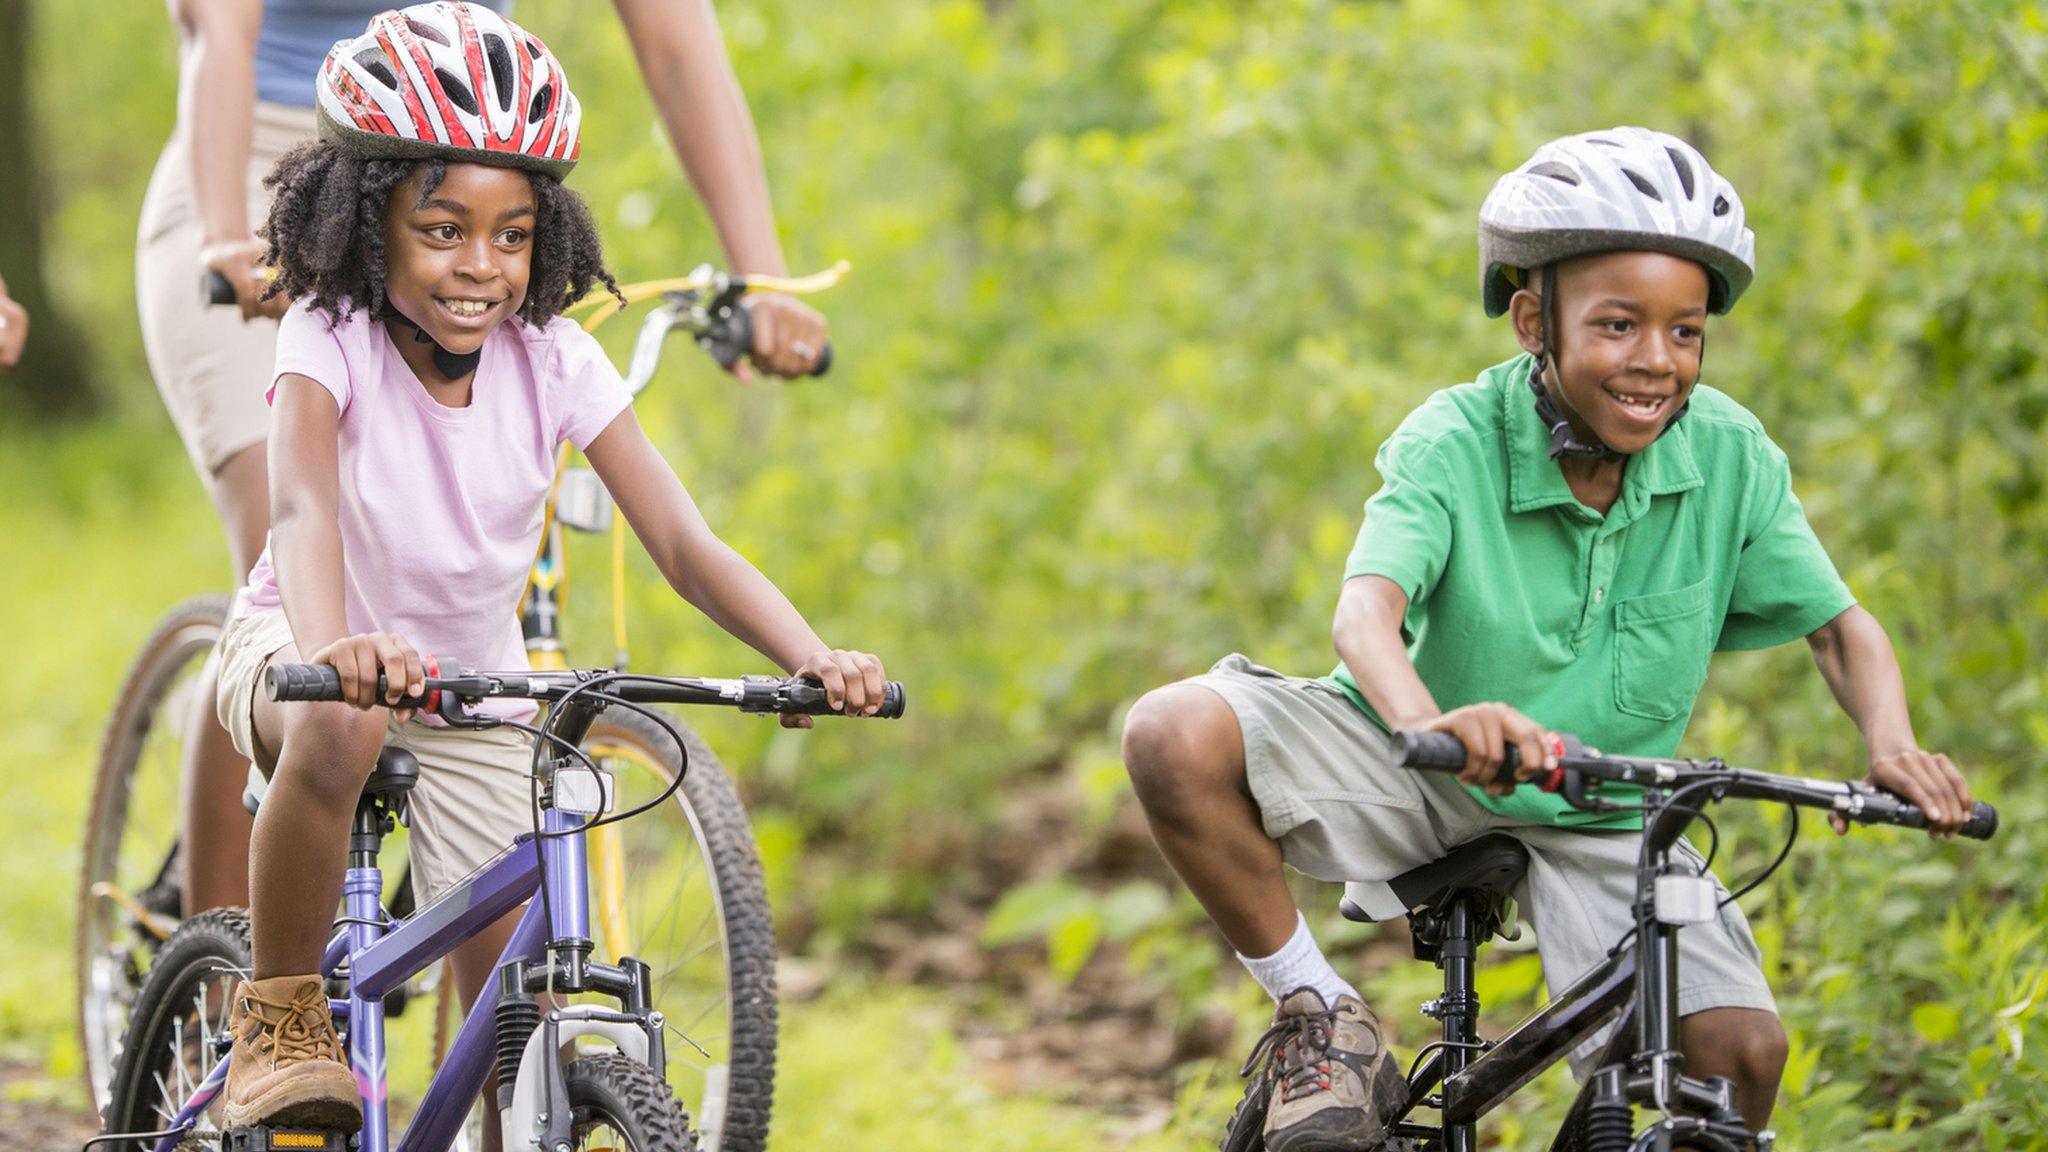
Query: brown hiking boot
<point>287,1067</point>
<point>1334,1085</point>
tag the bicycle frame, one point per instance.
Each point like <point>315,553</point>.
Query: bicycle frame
<point>378,958</point>
<point>1464,1080</point>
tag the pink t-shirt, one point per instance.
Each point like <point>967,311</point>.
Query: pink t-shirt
<point>440,507</point>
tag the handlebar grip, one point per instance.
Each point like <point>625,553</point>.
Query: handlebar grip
<point>303,682</point>
<point>735,338</point>
<point>1433,751</point>
<point>215,289</point>
<point>808,698</point>
<point>1983,822</point>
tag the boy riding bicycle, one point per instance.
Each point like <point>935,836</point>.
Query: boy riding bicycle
<point>424,382</point>
<point>1569,538</point>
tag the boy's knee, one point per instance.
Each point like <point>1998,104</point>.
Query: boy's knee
<point>1178,741</point>
<point>1761,1051</point>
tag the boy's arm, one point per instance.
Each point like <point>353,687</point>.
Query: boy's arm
<point>1856,658</point>
<point>305,548</point>
<point>1367,633</point>
<point>683,59</point>
<point>716,580</point>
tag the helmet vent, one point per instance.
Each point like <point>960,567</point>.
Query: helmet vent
<point>542,101</point>
<point>1561,173</point>
<point>502,75</point>
<point>1720,205</point>
<point>1684,171</point>
<point>1604,142</point>
<point>426,31</point>
<point>533,48</point>
<point>371,60</point>
<point>1642,185</point>
<point>457,90</point>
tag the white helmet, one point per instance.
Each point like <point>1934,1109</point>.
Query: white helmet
<point>1626,189</point>
<point>450,80</point>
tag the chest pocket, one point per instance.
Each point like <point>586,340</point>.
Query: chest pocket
<point>1661,649</point>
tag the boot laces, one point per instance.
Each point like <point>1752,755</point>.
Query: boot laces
<point>294,1030</point>
<point>1296,1052</point>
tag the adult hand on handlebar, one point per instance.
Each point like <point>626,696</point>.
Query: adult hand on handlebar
<point>239,261</point>
<point>853,683</point>
<point>1486,730</point>
<point>358,660</point>
<point>789,336</point>
<point>1927,780</point>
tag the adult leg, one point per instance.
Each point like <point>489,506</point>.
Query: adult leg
<point>1185,753</point>
<point>1748,1046</point>
<point>214,828</point>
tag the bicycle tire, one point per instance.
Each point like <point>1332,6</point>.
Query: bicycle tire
<point>104,982</point>
<point>208,950</point>
<point>615,1091</point>
<point>734,1119</point>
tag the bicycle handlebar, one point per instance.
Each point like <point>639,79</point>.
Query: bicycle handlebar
<point>1852,800</point>
<point>215,289</point>
<point>784,695</point>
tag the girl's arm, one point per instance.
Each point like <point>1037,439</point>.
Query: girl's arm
<point>217,106</point>
<point>716,580</point>
<point>1855,657</point>
<point>305,548</point>
<point>682,56</point>
<point>1367,632</point>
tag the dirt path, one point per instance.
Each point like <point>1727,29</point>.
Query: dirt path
<point>31,1118</point>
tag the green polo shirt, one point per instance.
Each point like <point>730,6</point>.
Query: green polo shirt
<point>1600,626</point>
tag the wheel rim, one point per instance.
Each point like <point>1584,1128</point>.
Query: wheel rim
<point>675,921</point>
<point>131,855</point>
<point>596,1131</point>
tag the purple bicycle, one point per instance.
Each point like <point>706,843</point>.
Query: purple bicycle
<point>174,1060</point>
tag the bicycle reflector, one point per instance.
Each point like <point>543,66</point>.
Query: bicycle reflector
<point>262,1138</point>
<point>580,792</point>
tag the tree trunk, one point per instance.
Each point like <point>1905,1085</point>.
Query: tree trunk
<point>51,377</point>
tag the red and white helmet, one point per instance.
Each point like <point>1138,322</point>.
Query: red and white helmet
<point>450,80</point>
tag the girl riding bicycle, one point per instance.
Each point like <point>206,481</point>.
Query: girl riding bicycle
<point>1561,545</point>
<point>424,381</point>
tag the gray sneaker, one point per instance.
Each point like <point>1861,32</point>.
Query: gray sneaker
<point>1334,1084</point>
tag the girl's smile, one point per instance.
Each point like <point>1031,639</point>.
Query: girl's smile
<point>457,256</point>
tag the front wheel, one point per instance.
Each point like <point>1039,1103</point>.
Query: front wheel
<point>616,1103</point>
<point>681,889</point>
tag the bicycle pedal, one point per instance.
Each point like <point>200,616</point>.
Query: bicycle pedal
<point>264,1138</point>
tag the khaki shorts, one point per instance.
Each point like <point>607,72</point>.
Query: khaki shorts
<point>211,367</point>
<point>475,792</point>
<point>1331,795</point>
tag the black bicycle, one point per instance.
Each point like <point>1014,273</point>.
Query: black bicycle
<point>1455,904</point>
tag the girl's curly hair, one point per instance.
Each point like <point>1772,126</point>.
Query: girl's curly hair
<point>326,234</point>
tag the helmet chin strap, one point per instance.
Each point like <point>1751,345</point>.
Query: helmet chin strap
<point>1564,443</point>
<point>451,365</point>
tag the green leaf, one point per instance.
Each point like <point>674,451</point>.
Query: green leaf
<point>1937,1023</point>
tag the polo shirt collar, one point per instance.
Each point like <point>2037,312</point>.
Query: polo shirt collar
<point>1534,479</point>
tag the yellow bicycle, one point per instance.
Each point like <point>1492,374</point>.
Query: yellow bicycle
<point>681,890</point>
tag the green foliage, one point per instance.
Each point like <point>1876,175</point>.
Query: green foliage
<point>1138,289</point>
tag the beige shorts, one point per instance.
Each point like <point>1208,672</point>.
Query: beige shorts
<point>475,792</point>
<point>1331,795</point>
<point>210,365</point>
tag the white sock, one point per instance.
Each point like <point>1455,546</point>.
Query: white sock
<point>1299,963</point>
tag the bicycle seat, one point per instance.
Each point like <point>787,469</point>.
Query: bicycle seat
<point>1489,866</point>
<point>395,774</point>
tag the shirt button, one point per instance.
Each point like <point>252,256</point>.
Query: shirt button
<point>1599,595</point>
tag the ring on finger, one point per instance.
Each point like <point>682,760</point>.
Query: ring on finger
<point>803,349</point>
